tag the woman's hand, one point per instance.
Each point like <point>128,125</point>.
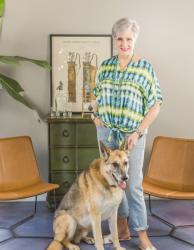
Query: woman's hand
<point>97,121</point>
<point>132,140</point>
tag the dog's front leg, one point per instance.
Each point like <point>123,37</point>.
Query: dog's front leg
<point>114,230</point>
<point>96,228</point>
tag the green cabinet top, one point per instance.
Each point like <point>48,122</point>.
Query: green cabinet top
<point>74,118</point>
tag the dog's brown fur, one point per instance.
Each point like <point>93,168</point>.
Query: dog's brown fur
<point>94,197</point>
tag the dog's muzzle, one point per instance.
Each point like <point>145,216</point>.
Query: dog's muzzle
<point>124,178</point>
<point>121,183</point>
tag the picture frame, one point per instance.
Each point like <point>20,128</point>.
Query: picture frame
<point>75,60</point>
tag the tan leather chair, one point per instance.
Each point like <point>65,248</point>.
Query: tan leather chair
<point>19,174</point>
<point>170,173</point>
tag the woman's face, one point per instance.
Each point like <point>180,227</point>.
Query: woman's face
<point>125,43</point>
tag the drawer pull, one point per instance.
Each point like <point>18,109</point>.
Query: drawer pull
<point>66,133</point>
<point>66,184</point>
<point>65,159</point>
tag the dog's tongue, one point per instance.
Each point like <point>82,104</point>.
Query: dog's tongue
<point>122,184</point>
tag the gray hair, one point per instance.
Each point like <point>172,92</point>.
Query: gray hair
<point>122,25</point>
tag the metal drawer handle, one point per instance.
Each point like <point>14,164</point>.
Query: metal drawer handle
<point>66,133</point>
<point>66,184</point>
<point>65,159</point>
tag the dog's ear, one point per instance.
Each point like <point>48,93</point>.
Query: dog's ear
<point>104,150</point>
<point>124,145</point>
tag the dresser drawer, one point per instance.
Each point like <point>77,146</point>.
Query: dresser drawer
<point>62,134</point>
<point>86,156</point>
<point>72,158</point>
<point>64,179</point>
<point>63,158</point>
<point>81,134</point>
<point>86,134</point>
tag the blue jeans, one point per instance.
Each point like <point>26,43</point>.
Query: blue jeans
<point>133,203</point>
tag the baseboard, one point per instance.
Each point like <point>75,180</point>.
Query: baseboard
<point>153,197</point>
<point>41,197</point>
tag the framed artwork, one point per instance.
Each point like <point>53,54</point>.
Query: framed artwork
<point>75,60</point>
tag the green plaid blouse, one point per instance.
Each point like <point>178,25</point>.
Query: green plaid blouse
<point>124,97</point>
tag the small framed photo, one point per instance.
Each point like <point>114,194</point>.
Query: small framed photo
<point>75,60</point>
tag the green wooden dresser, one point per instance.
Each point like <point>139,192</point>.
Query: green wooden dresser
<point>72,147</point>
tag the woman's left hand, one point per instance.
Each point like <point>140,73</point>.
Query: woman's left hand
<point>132,140</point>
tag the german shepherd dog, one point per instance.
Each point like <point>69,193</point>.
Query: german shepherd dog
<point>94,197</point>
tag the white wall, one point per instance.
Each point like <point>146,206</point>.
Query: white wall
<point>166,40</point>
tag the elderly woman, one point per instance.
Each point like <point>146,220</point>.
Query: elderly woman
<point>128,99</point>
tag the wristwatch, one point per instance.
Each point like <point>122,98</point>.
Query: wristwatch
<point>139,132</point>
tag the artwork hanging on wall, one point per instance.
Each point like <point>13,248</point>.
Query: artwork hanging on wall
<point>75,60</point>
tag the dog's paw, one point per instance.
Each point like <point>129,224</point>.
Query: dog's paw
<point>73,247</point>
<point>107,239</point>
<point>89,240</point>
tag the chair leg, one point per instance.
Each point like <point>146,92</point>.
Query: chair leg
<point>17,224</point>
<point>20,222</point>
<point>55,203</point>
<point>172,226</point>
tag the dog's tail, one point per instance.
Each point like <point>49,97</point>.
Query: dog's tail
<point>55,245</point>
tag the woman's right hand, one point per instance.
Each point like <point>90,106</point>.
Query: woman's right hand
<point>132,140</point>
<point>98,122</point>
